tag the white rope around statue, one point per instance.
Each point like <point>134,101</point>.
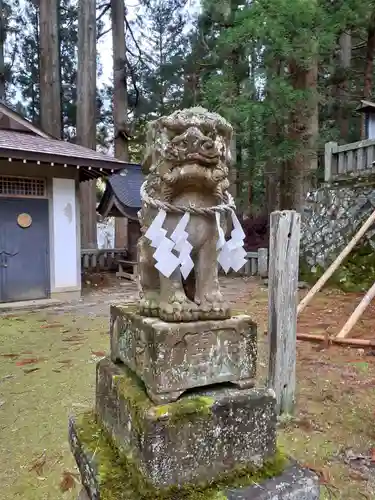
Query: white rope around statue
<point>228,207</point>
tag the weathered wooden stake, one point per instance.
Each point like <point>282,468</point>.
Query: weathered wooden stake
<point>282,306</point>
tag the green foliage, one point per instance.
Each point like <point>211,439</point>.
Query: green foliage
<point>355,274</point>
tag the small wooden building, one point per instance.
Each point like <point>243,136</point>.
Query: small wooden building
<point>40,252</point>
<point>122,198</point>
<point>368,108</point>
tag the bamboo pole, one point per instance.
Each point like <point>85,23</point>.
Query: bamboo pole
<point>335,340</point>
<point>359,310</point>
<point>332,268</point>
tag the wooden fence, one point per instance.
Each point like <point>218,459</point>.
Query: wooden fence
<point>108,260</point>
<point>349,161</point>
<point>101,259</point>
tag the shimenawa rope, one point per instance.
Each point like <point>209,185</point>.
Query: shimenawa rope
<point>168,207</point>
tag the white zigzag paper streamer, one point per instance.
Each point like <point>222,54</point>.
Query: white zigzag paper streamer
<point>231,253</point>
<point>183,246</point>
<point>166,261</point>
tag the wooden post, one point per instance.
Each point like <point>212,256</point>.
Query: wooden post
<point>282,306</point>
<point>263,262</point>
<point>362,306</point>
<point>329,147</point>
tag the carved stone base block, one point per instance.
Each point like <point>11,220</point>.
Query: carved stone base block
<point>106,475</point>
<point>200,436</point>
<point>173,357</point>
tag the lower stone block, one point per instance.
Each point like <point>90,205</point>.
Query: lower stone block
<point>173,357</point>
<point>199,437</point>
<point>106,475</point>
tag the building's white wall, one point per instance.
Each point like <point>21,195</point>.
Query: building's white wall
<point>371,126</point>
<point>65,264</point>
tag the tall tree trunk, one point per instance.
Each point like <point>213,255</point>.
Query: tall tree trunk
<point>272,169</point>
<point>2,43</point>
<point>50,80</point>
<point>345,42</point>
<point>120,101</point>
<point>369,69</point>
<point>86,111</point>
<point>303,129</point>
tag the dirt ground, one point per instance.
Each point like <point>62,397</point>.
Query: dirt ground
<point>47,371</point>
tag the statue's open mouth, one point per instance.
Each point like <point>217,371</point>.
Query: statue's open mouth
<point>203,158</point>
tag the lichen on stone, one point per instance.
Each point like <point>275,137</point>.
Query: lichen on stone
<point>119,478</point>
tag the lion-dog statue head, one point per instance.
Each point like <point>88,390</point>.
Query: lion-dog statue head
<point>189,148</point>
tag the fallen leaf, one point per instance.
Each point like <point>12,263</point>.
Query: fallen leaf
<point>372,454</point>
<point>29,361</point>
<point>321,472</point>
<point>98,353</point>
<point>10,355</point>
<point>68,481</point>
<point>31,370</point>
<point>304,423</point>
<point>7,377</point>
<point>39,463</point>
<point>51,325</point>
<point>74,338</point>
<point>56,371</point>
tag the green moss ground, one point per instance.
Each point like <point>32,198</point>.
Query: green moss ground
<point>335,393</point>
<point>119,479</point>
<point>35,406</point>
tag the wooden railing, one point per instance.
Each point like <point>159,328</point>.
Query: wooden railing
<point>101,259</point>
<point>108,259</point>
<point>349,161</point>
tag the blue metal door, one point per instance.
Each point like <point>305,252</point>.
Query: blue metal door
<point>24,256</point>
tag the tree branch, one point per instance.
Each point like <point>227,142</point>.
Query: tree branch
<point>105,8</point>
<point>103,33</point>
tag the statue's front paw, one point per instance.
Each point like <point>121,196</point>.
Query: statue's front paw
<point>213,306</point>
<point>177,309</point>
<point>149,304</point>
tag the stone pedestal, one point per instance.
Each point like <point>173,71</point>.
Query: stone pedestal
<point>172,357</point>
<point>108,475</point>
<point>216,441</point>
<point>198,438</point>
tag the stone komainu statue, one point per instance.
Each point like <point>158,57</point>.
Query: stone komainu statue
<point>186,164</point>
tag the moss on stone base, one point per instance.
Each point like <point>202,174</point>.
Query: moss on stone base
<point>355,274</point>
<point>119,478</point>
<point>141,408</point>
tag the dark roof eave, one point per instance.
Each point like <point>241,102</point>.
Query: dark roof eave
<point>111,164</point>
<point>366,106</point>
<point>110,206</point>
